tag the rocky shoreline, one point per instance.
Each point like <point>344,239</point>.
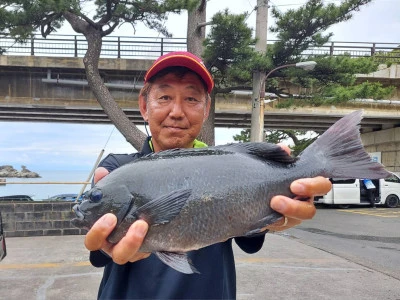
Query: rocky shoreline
<point>8,171</point>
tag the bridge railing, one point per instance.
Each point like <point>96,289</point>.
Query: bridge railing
<point>76,45</point>
<point>153,47</point>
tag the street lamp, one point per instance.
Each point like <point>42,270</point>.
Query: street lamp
<point>257,113</point>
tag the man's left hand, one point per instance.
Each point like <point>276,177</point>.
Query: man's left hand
<point>297,211</point>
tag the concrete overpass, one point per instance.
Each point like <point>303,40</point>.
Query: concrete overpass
<point>54,89</point>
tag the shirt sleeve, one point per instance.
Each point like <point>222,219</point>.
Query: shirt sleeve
<point>114,161</point>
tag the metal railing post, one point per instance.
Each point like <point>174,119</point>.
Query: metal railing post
<point>332,47</point>
<point>32,45</point>
<point>119,47</point>
<point>162,46</point>
<point>373,49</point>
<point>76,46</point>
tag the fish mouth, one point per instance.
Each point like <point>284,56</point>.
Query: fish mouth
<point>79,221</point>
<point>79,214</point>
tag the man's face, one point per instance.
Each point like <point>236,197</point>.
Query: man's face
<point>176,109</point>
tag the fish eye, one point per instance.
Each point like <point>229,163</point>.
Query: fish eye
<point>96,196</point>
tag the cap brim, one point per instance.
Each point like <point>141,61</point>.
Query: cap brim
<point>182,60</point>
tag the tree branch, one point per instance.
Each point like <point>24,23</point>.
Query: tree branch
<point>110,30</point>
<point>202,4</point>
<point>107,17</point>
<point>200,25</point>
<point>85,18</point>
<point>77,24</point>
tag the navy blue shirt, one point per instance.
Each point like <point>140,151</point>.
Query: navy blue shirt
<point>152,279</point>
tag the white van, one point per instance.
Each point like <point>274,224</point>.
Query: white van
<point>346,192</point>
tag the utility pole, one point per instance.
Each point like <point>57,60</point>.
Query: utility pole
<point>258,96</point>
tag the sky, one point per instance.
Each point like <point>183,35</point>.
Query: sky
<point>52,146</point>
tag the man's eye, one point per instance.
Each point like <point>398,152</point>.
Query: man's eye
<point>164,98</point>
<point>192,99</point>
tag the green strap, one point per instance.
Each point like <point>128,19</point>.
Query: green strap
<point>199,144</point>
<point>196,144</point>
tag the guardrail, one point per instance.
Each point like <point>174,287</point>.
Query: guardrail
<point>153,47</point>
<point>76,45</point>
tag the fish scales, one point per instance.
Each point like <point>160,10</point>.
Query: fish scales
<point>219,187</point>
<point>192,198</point>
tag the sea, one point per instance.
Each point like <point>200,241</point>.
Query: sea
<point>40,192</point>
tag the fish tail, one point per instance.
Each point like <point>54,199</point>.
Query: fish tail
<point>339,152</point>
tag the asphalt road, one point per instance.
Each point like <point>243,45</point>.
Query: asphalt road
<point>367,236</point>
<point>320,259</point>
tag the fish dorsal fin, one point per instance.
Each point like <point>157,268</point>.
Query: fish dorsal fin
<point>265,151</point>
<point>182,152</point>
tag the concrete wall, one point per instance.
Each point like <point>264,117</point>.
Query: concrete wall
<point>388,143</point>
<point>115,64</point>
<point>38,219</point>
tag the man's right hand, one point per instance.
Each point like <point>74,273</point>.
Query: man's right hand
<point>126,250</point>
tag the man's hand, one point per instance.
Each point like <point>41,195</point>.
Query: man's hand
<point>297,211</point>
<point>294,210</point>
<point>126,250</point>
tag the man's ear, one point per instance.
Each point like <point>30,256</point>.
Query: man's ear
<point>143,108</point>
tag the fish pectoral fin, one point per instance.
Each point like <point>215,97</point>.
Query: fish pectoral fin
<point>178,261</point>
<point>163,209</point>
<point>260,224</point>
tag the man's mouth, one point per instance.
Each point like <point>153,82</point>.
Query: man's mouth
<point>174,128</point>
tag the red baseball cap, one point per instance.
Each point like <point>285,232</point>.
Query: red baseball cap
<point>181,59</point>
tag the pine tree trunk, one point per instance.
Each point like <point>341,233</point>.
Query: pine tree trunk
<point>195,37</point>
<point>195,33</point>
<point>91,61</point>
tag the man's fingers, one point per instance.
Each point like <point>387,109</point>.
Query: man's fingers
<point>99,173</point>
<point>311,187</point>
<point>97,235</point>
<point>283,224</point>
<point>284,147</point>
<point>300,210</point>
<point>128,247</point>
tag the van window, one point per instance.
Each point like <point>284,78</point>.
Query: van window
<point>342,181</point>
<point>393,178</point>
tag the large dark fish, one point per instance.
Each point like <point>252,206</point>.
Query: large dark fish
<point>192,198</point>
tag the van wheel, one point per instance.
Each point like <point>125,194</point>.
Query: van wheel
<point>392,201</point>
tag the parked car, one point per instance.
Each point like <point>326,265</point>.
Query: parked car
<point>3,249</point>
<point>65,197</point>
<point>16,198</point>
<point>346,192</point>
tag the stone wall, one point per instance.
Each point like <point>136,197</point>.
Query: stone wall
<point>38,218</point>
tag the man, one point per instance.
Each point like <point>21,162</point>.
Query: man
<point>370,186</point>
<point>3,249</point>
<point>175,102</point>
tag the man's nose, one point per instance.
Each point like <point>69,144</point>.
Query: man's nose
<point>177,109</point>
